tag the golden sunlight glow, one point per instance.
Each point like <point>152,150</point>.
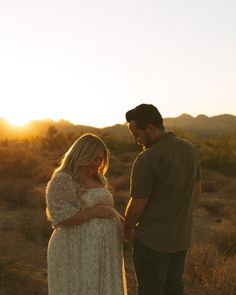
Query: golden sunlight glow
<point>17,121</point>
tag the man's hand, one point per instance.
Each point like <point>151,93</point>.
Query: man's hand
<point>133,214</point>
<point>129,235</point>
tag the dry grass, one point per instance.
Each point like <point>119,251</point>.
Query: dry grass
<point>201,261</point>
<point>211,261</point>
<point>224,277</point>
<point>214,207</point>
<point>24,232</point>
<point>22,281</point>
<point>22,259</point>
<point>224,239</point>
<point>19,193</point>
<point>206,267</point>
<point>213,181</point>
<point>33,225</point>
<point>16,193</point>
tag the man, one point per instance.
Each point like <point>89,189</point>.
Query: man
<point>165,181</point>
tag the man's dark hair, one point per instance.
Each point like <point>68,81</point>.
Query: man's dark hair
<point>145,114</point>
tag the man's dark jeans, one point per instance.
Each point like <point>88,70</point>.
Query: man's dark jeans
<point>158,273</point>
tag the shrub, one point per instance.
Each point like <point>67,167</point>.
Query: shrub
<point>16,193</point>
<point>17,162</point>
<point>218,154</point>
<point>214,207</point>
<point>215,273</point>
<point>119,145</point>
<point>201,260</point>
<point>225,239</point>
<point>224,277</point>
<point>54,140</point>
<point>213,182</point>
<point>118,169</point>
<point>33,224</point>
<point>121,183</point>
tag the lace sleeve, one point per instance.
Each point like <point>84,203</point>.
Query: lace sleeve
<point>61,198</point>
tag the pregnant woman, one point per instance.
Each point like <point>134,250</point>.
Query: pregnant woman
<point>85,250</point>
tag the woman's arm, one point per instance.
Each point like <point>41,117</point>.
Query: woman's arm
<point>98,211</point>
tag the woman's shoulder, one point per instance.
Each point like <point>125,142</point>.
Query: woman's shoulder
<point>62,175</point>
<point>60,178</point>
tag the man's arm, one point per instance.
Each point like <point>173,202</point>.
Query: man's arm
<point>133,213</point>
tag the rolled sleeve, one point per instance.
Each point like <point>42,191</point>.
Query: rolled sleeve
<point>141,182</point>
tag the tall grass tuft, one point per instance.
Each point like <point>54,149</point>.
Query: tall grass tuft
<point>224,238</point>
<point>215,273</point>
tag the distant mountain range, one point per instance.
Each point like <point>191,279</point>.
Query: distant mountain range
<point>202,126</point>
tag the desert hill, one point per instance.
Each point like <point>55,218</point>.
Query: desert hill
<point>202,126</point>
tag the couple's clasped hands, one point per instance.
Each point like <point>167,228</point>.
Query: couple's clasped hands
<point>100,210</point>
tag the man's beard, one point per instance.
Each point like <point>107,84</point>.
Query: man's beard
<point>147,141</point>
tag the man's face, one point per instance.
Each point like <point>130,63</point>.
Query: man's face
<point>140,136</point>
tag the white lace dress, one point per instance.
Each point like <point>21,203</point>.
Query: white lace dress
<point>84,259</point>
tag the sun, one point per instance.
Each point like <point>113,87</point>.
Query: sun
<point>17,121</point>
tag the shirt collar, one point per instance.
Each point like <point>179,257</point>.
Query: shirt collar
<point>164,136</point>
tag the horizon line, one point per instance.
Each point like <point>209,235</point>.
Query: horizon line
<point>28,122</point>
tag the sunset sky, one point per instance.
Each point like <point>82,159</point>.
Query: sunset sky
<point>89,61</point>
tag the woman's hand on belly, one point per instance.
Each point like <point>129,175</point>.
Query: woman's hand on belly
<point>103,211</point>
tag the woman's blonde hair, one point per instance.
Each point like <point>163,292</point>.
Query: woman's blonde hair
<point>82,153</point>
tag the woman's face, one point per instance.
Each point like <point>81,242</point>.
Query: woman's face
<point>93,167</point>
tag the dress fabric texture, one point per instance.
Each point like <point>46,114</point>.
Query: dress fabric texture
<point>88,258</point>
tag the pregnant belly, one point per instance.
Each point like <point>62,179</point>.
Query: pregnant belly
<point>103,230</point>
<point>95,231</point>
